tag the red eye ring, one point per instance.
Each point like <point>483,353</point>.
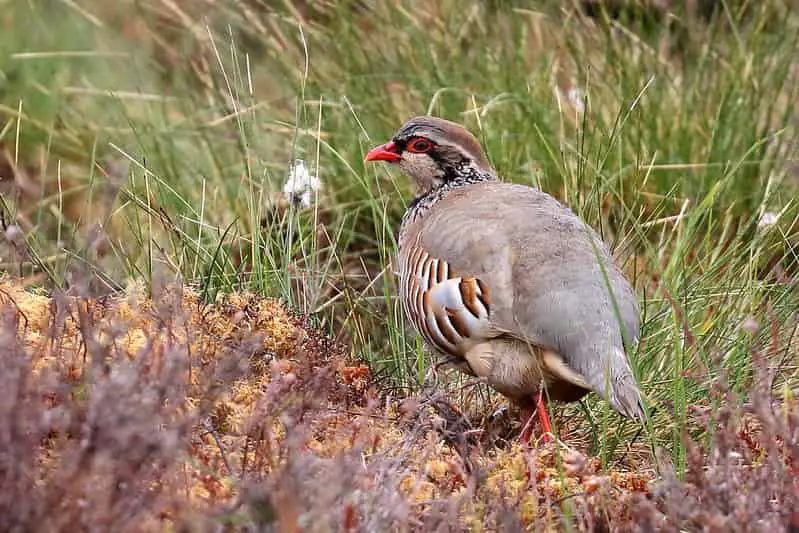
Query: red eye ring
<point>419,145</point>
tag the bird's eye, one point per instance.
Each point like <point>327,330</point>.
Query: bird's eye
<point>419,145</point>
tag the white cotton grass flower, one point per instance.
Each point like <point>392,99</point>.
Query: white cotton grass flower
<point>300,185</point>
<point>767,219</point>
<point>576,97</point>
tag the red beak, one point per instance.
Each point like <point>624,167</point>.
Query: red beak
<point>387,152</point>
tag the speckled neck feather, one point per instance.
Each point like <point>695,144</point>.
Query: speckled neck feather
<point>466,173</point>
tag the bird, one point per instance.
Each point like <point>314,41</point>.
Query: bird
<point>507,283</point>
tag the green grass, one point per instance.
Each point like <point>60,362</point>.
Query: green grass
<point>687,140</point>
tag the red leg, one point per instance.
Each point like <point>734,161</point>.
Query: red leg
<point>527,426</point>
<point>527,421</point>
<point>544,416</point>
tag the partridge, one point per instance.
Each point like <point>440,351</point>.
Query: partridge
<point>506,282</point>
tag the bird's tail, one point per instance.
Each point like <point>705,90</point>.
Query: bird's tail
<point>622,390</point>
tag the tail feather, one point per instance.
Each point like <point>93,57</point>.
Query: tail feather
<point>622,390</point>
<point>626,398</point>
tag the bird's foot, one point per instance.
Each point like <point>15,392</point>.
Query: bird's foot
<point>527,427</point>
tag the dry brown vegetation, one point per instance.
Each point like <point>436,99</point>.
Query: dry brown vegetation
<point>128,414</point>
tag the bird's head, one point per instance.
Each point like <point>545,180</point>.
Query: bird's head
<point>433,152</point>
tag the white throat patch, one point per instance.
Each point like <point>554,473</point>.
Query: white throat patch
<point>424,171</point>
